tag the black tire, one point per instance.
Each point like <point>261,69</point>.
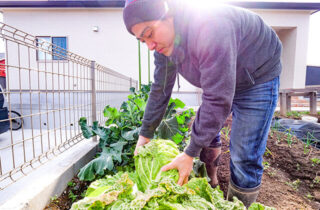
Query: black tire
<point>16,123</point>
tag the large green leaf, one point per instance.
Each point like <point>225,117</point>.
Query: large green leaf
<point>98,165</point>
<point>140,103</point>
<point>181,119</point>
<point>178,103</point>
<point>131,109</point>
<point>118,145</point>
<point>215,196</point>
<point>111,113</point>
<point>130,134</point>
<point>100,131</point>
<point>128,114</point>
<point>202,188</point>
<point>168,128</point>
<point>199,169</point>
<point>177,138</point>
<point>86,130</point>
<point>170,111</point>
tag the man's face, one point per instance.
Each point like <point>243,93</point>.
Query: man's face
<point>158,35</point>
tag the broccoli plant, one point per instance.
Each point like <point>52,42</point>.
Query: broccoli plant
<point>119,135</point>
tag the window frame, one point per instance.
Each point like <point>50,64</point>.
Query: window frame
<point>51,59</point>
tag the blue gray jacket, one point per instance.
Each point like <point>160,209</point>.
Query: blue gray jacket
<point>221,50</point>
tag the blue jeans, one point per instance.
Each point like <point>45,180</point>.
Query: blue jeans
<point>252,112</point>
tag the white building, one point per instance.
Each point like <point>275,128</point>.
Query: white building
<point>95,30</point>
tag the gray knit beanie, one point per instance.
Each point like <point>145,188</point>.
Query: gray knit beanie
<point>137,11</point>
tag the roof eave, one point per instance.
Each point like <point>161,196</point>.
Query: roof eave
<point>121,3</point>
<point>61,4</point>
<point>277,5</point>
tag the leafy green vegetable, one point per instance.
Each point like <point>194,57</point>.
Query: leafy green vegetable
<point>168,128</point>
<point>149,161</point>
<point>199,169</point>
<point>178,103</point>
<point>177,138</point>
<point>215,196</point>
<point>158,189</point>
<point>117,140</point>
<point>259,206</point>
<point>104,161</point>
<point>175,125</point>
<point>150,189</point>
<point>111,113</point>
<point>104,192</point>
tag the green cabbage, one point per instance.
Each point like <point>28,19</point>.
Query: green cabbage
<point>106,191</point>
<point>150,189</point>
<point>215,196</point>
<point>259,206</point>
<point>149,161</point>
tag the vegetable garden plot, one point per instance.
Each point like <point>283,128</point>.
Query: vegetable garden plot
<point>306,131</point>
<point>145,187</point>
<point>277,185</point>
<point>291,171</point>
<point>149,188</point>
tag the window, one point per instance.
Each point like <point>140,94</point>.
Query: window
<point>53,52</point>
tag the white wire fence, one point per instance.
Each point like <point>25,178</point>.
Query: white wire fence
<point>47,90</point>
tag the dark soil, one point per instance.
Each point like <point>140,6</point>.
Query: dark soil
<point>290,181</point>
<point>72,193</point>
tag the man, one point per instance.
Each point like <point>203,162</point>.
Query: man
<point>235,58</point>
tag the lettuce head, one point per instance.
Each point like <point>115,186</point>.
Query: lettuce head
<point>150,160</point>
<point>150,189</point>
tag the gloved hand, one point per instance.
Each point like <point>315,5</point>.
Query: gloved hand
<point>141,141</point>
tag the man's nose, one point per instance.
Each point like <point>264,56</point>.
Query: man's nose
<point>151,45</point>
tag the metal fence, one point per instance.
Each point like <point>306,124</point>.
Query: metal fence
<point>47,90</point>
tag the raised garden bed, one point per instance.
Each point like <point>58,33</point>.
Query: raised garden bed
<point>291,179</point>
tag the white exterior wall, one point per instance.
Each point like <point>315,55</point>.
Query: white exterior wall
<point>113,47</point>
<point>293,30</point>
<point>314,41</point>
<point>288,38</point>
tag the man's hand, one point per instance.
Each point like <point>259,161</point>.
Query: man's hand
<point>141,141</point>
<point>183,163</point>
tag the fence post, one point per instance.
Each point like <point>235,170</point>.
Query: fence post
<point>93,94</point>
<point>130,82</point>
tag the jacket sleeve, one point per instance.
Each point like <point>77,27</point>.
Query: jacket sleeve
<point>215,47</point>
<point>161,89</point>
